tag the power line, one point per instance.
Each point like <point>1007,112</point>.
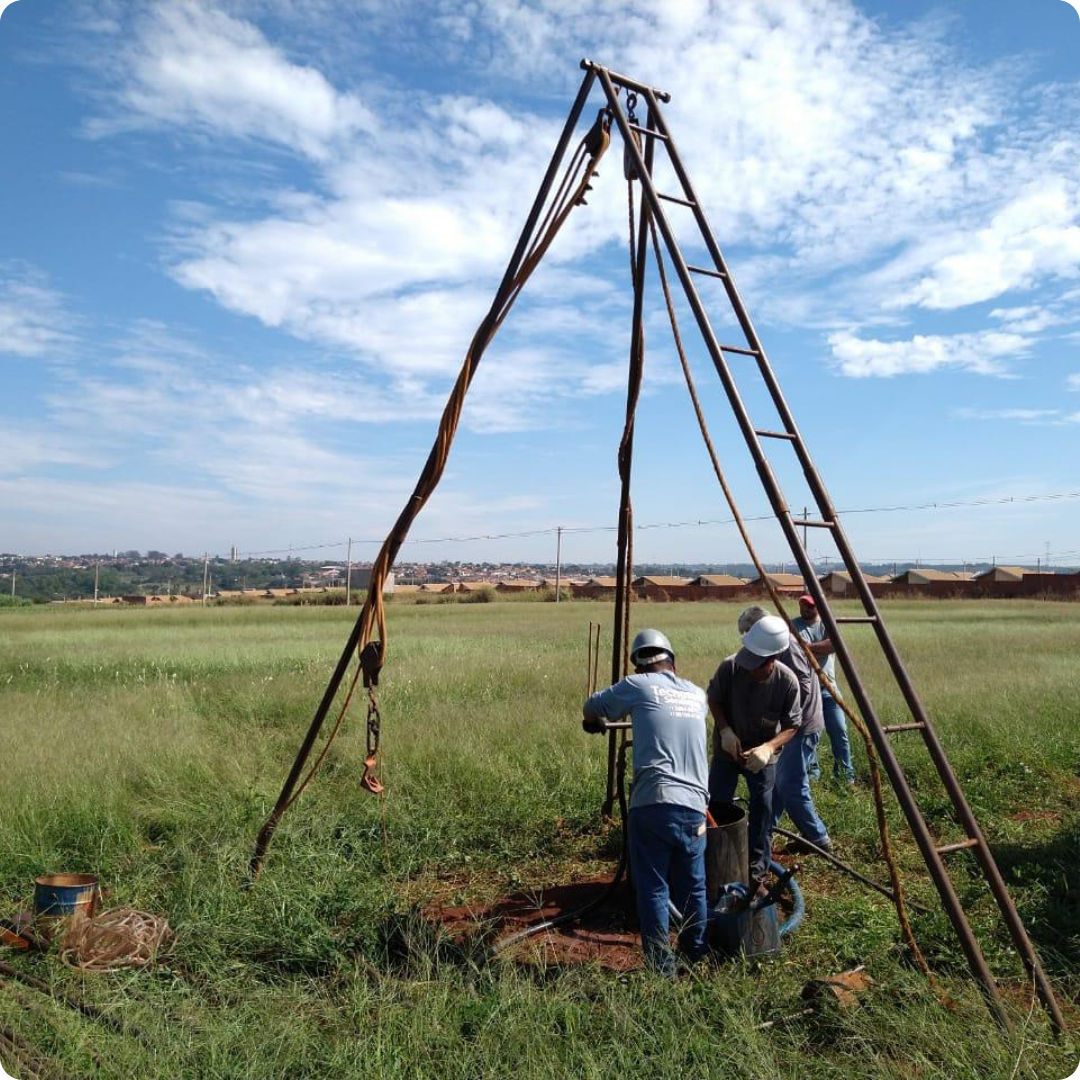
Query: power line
<point>699,523</point>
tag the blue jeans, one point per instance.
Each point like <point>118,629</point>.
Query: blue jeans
<point>793,789</point>
<point>723,779</point>
<point>667,845</point>
<point>836,728</point>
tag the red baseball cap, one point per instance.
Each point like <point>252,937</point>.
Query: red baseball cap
<point>806,598</point>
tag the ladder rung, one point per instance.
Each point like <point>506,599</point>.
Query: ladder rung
<point>647,131</point>
<point>891,729</point>
<point>811,523</point>
<point>855,619</point>
<point>776,435</point>
<point>676,199</point>
<point>957,847</point>
<point>716,274</point>
<point>735,348</point>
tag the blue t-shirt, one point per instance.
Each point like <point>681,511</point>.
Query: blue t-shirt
<point>810,633</point>
<point>668,716</point>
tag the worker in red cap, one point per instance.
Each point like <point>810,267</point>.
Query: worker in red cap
<point>812,630</point>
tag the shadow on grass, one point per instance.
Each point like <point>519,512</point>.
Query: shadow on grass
<point>1051,871</point>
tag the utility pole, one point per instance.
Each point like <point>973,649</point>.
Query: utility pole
<point>97,569</point>
<point>13,583</point>
<point>558,562</point>
<point>205,576</point>
<point>348,573</point>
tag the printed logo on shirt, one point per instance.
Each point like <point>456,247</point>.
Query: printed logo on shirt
<point>688,703</point>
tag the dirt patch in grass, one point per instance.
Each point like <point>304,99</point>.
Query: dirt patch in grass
<point>1024,816</point>
<point>606,936</point>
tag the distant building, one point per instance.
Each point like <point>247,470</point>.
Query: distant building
<point>919,576</point>
<point>660,587</point>
<point>791,584</point>
<point>518,585</point>
<point>361,579</point>
<point>715,581</point>
<point>1003,573</point>
<point>838,583</point>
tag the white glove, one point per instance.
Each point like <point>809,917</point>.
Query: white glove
<point>729,743</point>
<point>756,760</point>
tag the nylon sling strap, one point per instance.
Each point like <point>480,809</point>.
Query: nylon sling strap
<point>368,637</point>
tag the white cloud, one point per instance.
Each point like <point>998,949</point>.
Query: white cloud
<point>1073,381</point>
<point>26,447</point>
<point>984,353</point>
<point>1033,238</point>
<point>33,319</point>
<point>865,143</point>
<point>1024,416</point>
<point>191,64</point>
<point>862,141</point>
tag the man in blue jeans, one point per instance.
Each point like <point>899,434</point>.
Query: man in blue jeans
<point>812,630</point>
<point>668,796</point>
<point>792,787</point>
<point>755,705</point>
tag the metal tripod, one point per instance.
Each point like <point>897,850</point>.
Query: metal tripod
<point>654,136</point>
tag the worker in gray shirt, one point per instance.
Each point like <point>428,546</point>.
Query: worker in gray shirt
<point>755,705</point>
<point>791,792</point>
<point>668,796</point>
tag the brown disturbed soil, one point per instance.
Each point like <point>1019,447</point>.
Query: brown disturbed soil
<point>607,935</point>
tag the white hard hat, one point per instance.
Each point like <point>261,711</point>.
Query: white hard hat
<point>647,642</point>
<point>767,637</point>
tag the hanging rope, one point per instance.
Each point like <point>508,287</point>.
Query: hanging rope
<point>370,630</point>
<point>624,572</point>
<point>875,769</point>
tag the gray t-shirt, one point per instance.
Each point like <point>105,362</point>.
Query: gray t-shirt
<point>812,632</point>
<point>670,757</point>
<point>756,711</point>
<point>813,717</point>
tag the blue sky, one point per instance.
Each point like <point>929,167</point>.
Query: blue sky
<point>244,245</point>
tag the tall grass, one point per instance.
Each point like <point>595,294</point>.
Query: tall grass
<point>149,746</point>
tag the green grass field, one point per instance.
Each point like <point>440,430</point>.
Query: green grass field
<point>148,747</point>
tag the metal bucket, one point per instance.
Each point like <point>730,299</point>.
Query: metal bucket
<point>727,850</point>
<point>735,930</point>
<point>63,896</point>
<point>760,931</point>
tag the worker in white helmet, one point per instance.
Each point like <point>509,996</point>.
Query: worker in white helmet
<point>668,796</point>
<point>756,711</point>
<point>791,792</point>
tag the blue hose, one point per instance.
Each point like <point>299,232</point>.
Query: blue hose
<point>794,920</point>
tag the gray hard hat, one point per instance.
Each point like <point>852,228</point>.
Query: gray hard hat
<point>647,642</point>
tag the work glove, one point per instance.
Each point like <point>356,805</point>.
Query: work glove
<point>756,759</point>
<point>730,744</point>
<point>594,725</point>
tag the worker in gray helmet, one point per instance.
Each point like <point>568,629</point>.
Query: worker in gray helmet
<point>791,791</point>
<point>756,711</point>
<point>668,796</point>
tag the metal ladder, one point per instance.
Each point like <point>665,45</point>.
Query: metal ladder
<point>655,134</point>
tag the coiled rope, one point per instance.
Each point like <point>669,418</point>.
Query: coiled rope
<point>121,938</point>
